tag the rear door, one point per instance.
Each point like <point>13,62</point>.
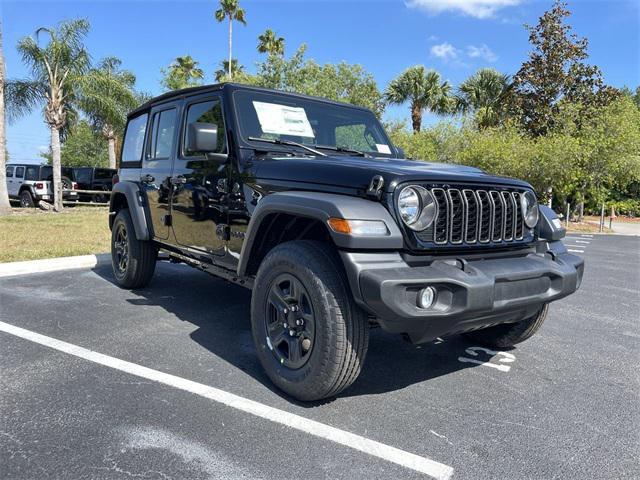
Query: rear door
<point>157,164</point>
<point>18,180</point>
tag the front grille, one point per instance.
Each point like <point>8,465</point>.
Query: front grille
<point>475,216</point>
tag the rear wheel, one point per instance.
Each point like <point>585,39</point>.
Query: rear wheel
<point>133,260</point>
<point>510,334</point>
<point>310,336</point>
<point>26,199</point>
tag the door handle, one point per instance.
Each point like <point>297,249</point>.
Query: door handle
<point>147,178</point>
<point>179,180</point>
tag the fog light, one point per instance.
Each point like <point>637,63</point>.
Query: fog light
<point>426,297</point>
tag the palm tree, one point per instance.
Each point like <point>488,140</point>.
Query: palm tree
<point>222,74</point>
<point>230,9</point>
<point>423,89</point>
<point>57,68</point>
<point>5,206</point>
<point>182,73</point>
<point>269,43</point>
<point>106,96</point>
<point>484,94</point>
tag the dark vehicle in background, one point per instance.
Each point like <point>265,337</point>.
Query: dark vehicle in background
<point>30,183</point>
<point>94,178</point>
<point>308,203</point>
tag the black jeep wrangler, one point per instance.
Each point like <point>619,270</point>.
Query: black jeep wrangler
<point>307,203</point>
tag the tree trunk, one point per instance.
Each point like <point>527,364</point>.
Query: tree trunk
<point>112,151</point>
<point>57,169</point>
<point>5,206</point>
<point>230,29</point>
<point>416,118</point>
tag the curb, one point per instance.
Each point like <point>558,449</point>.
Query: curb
<point>53,264</point>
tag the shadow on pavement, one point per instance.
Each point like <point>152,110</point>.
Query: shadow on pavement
<point>221,311</point>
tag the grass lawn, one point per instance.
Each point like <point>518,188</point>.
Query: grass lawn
<point>30,233</point>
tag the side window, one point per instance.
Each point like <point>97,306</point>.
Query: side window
<point>164,126</point>
<point>9,172</point>
<point>134,139</point>
<point>31,173</point>
<point>19,172</point>
<point>206,112</point>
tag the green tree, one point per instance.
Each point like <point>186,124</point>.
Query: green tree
<point>555,71</point>
<point>222,74</point>
<point>270,43</point>
<point>423,89</point>
<point>57,68</point>
<point>230,10</point>
<point>182,73</point>
<point>483,94</point>
<point>107,95</point>
<point>83,147</point>
<point>5,206</point>
<point>341,82</point>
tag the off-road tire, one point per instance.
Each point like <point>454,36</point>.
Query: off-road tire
<point>341,327</point>
<point>26,199</point>
<point>140,264</point>
<point>509,334</point>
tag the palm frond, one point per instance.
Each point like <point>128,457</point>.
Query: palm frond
<point>22,96</point>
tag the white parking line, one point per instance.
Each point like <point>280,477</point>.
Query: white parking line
<point>582,241</point>
<point>424,465</point>
<point>575,251</point>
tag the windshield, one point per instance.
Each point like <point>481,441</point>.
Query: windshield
<point>314,123</point>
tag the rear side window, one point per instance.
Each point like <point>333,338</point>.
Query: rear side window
<point>134,139</point>
<point>19,172</point>
<point>9,172</point>
<point>31,173</point>
<point>103,174</point>
<point>206,112</point>
<point>164,127</point>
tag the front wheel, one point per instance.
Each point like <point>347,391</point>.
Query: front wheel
<point>310,336</point>
<point>509,334</point>
<point>133,260</point>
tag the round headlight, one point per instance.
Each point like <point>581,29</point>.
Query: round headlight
<point>409,205</point>
<point>529,205</point>
<point>417,207</point>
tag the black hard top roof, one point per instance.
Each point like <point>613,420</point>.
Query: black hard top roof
<point>186,92</point>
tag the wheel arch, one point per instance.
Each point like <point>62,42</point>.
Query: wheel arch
<point>128,195</point>
<point>286,216</point>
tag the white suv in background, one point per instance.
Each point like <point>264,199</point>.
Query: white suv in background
<point>32,183</point>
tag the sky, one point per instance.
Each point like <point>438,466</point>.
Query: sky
<point>455,37</point>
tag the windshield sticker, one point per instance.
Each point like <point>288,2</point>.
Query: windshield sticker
<point>283,120</point>
<point>383,148</point>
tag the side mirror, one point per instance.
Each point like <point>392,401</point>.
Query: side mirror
<point>202,137</point>
<point>400,152</point>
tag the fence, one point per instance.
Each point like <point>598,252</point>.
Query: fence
<point>93,193</point>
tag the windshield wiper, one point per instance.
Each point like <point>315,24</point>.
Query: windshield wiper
<point>277,141</point>
<point>343,150</point>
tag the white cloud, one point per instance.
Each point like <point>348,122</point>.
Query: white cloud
<point>481,51</point>
<point>445,51</point>
<point>473,8</point>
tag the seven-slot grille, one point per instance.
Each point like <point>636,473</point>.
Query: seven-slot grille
<point>471,216</point>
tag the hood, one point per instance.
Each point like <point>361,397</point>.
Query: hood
<point>357,172</point>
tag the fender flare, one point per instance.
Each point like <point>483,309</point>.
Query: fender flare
<point>321,207</point>
<point>549,225</point>
<point>135,204</point>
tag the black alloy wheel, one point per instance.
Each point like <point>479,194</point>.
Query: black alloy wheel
<point>121,248</point>
<point>289,322</point>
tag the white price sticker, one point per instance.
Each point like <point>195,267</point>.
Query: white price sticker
<point>283,119</point>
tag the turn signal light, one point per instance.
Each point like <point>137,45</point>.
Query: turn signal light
<point>360,228</point>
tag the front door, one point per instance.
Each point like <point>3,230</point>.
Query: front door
<point>199,201</point>
<point>157,163</point>
<point>10,185</point>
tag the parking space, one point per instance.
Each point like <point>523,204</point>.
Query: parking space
<point>564,404</point>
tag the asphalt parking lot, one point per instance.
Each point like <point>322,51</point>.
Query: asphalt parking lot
<point>563,405</point>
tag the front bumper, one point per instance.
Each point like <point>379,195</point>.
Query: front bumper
<point>470,294</point>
